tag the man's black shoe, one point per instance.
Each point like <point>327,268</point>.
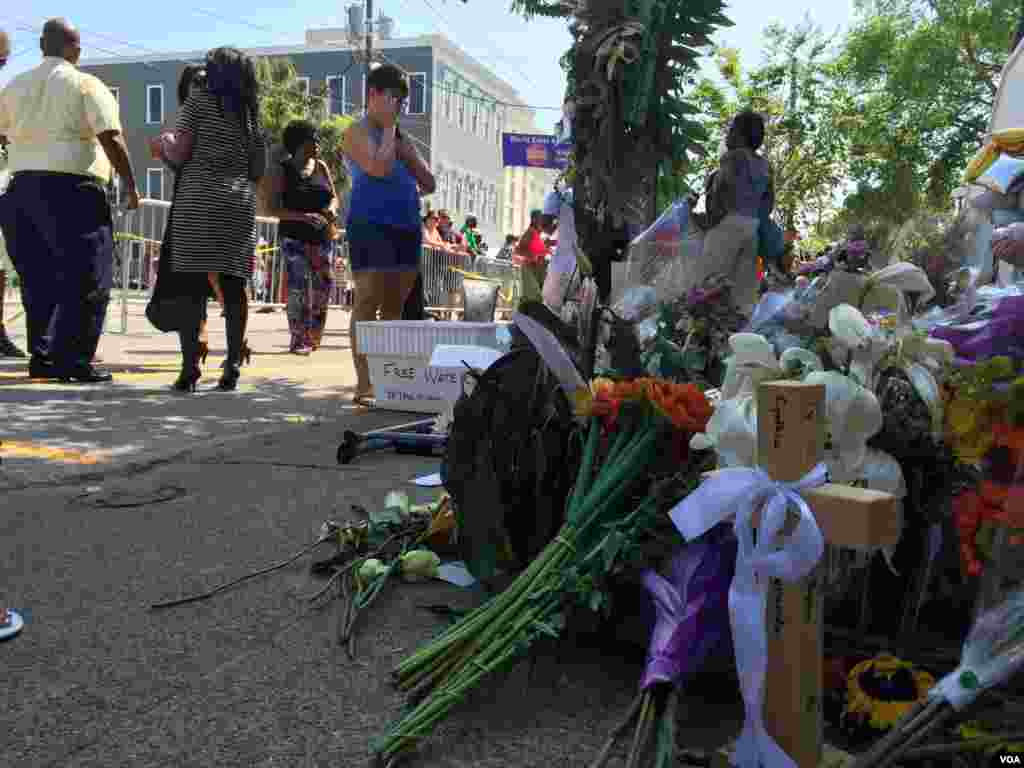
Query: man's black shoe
<point>84,374</point>
<point>41,369</point>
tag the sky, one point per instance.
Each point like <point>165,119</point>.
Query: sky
<point>523,53</point>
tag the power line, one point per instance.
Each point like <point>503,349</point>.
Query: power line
<point>490,43</point>
<point>433,86</point>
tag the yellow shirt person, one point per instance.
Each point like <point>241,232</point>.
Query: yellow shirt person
<point>51,116</point>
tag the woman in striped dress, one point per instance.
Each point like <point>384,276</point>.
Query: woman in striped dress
<point>214,224</point>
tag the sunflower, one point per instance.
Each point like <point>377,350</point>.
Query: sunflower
<point>881,690</point>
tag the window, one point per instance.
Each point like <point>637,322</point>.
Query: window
<point>475,113</point>
<point>336,95</point>
<point>154,104</point>
<point>417,103</point>
<point>155,183</point>
<point>487,109</point>
<point>439,192</point>
<point>446,95</point>
<point>461,107</point>
<point>458,194</point>
<point>471,197</point>
<point>303,83</point>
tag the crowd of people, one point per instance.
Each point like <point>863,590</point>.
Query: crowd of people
<point>63,140</point>
<point>62,131</point>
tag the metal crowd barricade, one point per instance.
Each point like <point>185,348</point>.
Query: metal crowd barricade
<point>440,282</point>
<point>137,238</point>
<point>505,271</point>
<point>138,235</point>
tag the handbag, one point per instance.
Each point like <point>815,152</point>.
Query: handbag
<point>168,313</point>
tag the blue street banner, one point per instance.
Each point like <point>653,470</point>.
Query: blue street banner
<point>527,150</point>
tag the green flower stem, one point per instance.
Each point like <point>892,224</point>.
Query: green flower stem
<point>424,717</point>
<point>622,439</point>
<point>496,608</point>
<point>614,475</point>
<point>586,465</point>
<point>665,754</point>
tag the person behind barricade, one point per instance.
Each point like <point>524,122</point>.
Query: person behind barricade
<point>739,199</point>
<point>305,202</point>
<point>222,152</point>
<point>451,236</point>
<point>63,133</point>
<point>384,228</point>
<point>7,347</point>
<point>531,256</point>
<point>508,249</point>
<point>471,236</point>
<point>431,236</point>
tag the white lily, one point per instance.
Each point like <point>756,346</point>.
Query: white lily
<point>732,429</point>
<point>881,472</point>
<point>857,342</point>
<point>852,416</point>
<point>753,361</point>
<point>906,277</point>
<point>849,327</point>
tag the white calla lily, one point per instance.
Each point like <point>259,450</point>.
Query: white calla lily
<point>752,361</point>
<point>849,327</point>
<point>853,415</point>
<point>798,357</point>
<point>732,432</point>
<point>881,472</point>
<point>732,429</point>
<point>927,389</point>
<point>906,277</point>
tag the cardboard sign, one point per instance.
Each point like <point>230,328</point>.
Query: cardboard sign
<point>425,386</point>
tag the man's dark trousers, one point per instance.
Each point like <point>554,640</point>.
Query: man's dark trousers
<point>63,249</point>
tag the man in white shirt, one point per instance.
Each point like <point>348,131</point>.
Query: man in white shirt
<point>558,212</point>
<point>7,347</point>
<point>64,134</point>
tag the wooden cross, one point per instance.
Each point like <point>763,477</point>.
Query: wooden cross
<point>791,442</point>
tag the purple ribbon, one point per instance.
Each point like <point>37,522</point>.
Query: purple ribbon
<point>1002,334</point>
<point>691,607</point>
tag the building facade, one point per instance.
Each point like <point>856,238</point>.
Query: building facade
<point>456,112</point>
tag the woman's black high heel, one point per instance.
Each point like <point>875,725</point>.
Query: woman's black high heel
<point>187,380</point>
<point>244,359</point>
<point>229,379</point>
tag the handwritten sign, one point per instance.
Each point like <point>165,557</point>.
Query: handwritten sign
<point>412,384</point>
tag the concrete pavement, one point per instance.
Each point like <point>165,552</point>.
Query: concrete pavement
<point>134,496</point>
<point>54,432</point>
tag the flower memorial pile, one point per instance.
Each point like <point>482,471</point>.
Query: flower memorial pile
<point>630,426</point>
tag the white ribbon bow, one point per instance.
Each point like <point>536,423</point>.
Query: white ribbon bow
<point>741,491</point>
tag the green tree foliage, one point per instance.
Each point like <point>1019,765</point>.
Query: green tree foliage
<point>918,78</point>
<point>283,99</point>
<point>795,89</point>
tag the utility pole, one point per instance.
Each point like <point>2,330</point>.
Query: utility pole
<point>369,53</point>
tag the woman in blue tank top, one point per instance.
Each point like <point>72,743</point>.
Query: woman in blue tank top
<point>384,229</point>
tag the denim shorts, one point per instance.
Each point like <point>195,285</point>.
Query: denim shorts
<point>380,248</point>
